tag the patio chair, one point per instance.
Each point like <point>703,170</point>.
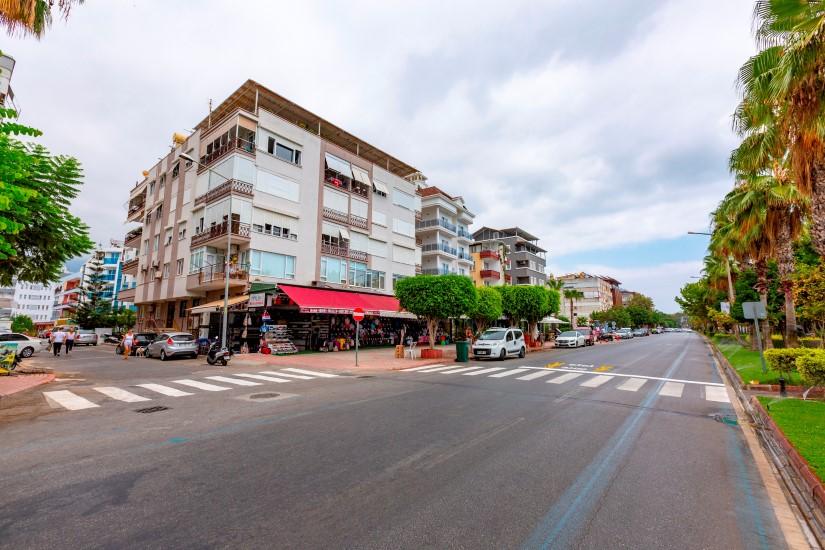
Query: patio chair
<point>411,350</point>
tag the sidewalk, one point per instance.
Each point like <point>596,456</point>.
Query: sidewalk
<point>17,383</point>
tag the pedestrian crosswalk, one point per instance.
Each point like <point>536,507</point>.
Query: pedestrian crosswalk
<point>138,393</point>
<point>710,391</point>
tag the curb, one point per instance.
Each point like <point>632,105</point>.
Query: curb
<point>45,380</point>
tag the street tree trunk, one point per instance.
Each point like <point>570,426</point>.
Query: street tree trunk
<point>431,323</point>
<point>731,291</point>
<point>762,289</point>
<point>817,226</point>
<point>785,263</point>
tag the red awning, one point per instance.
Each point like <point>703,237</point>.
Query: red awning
<point>319,300</point>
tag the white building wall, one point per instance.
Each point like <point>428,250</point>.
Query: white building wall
<point>35,300</point>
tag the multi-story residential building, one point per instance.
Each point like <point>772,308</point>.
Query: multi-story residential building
<point>626,296</point>
<point>6,70</point>
<point>443,233</point>
<point>109,261</point>
<point>32,299</point>
<point>507,256</point>
<point>67,295</point>
<point>600,293</point>
<point>314,211</point>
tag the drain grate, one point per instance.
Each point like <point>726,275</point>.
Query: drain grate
<point>268,395</point>
<point>149,410</point>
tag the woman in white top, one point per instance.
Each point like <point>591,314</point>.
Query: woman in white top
<point>128,341</point>
<point>57,341</point>
<point>69,340</point>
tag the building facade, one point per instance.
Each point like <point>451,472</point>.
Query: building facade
<point>67,296</point>
<point>290,198</point>
<point>110,260</point>
<point>507,256</point>
<point>32,299</point>
<point>443,233</point>
<point>600,293</point>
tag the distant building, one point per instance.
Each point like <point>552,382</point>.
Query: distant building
<point>6,70</point>
<point>443,233</point>
<point>66,296</point>
<point>111,260</point>
<point>627,295</point>
<point>520,261</point>
<point>600,293</point>
<point>31,299</point>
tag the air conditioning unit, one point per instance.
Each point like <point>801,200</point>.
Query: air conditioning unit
<point>158,274</point>
<point>155,264</point>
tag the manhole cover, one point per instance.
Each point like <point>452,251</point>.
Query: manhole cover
<point>149,410</point>
<point>268,395</point>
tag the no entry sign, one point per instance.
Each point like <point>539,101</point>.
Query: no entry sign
<point>358,314</point>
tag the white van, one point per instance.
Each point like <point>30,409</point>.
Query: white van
<point>498,343</point>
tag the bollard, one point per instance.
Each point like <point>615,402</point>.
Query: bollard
<point>782,391</point>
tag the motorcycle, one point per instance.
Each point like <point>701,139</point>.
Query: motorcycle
<point>218,355</point>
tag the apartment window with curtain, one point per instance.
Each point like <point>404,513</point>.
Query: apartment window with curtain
<point>271,264</point>
<point>179,266</point>
<point>156,243</point>
<point>166,270</point>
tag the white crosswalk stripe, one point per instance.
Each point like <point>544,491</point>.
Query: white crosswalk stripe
<point>672,389</point>
<point>68,400</point>
<point>567,377</point>
<point>483,371</point>
<point>165,390</point>
<point>421,368</point>
<point>200,385</point>
<point>534,375</point>
<point>716,393</point>
<point>437,369</point>
<point>632,384</point>
<point>596,381</point>
<point>236,381</point>
<point>264,377</point>
<point>121,395</point>
<point>313,373</point>
<point>508,373</point>
<point>288,375</point>
<point>462,369</point>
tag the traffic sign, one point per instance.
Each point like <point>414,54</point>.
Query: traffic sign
<point>358,314</point>
<point>265,316</point>
<point>753,310</point>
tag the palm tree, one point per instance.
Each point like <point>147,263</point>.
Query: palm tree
<point>32,16</point>
<point>572,294</point>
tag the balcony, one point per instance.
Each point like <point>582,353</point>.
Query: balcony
<point>213,277</point>
<point>439,249</point>
<point>136,211</point>
<point>490,274</point>
<point>435,224</point>
<point>234,187</point>
<point>220,150</point>
<point>464,256</point>
<point>418,270</point>
<point>489,254</point>
<point>218,233</point>
<point>342,217</point>
<point>132,239</point>
<point>344,252</point>
<point>129,267</point>
<point>341,182</point>
<point>127,295</point>
<point>439,271</point>
<point>464,234</point>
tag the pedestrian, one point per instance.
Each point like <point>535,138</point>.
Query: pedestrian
<point>69,340</point>
<point>57,342</point>
<point>128,340</point>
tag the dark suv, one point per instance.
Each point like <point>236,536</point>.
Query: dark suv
<point>142,339</point>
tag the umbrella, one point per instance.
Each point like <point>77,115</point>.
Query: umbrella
<point>551,321</point>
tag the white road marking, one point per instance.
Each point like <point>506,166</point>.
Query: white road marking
<point>567,377</point>
<point>632,384</point>
<point>298,376</point>
<point>565,369</point>
<point>462,369</point>
<point>436,369</point>
<point>508,373</point>
<point>720,395</point>
<point>483,371</point>
<point>236,381</point>
<point>200,385</point>
<point>596,381</point>
<point>534,375</point>
<point>421,368</point>
<point>313,373</point>
<point>263,377</point>
<point>68,400</point>
<point>165,390</point>
<point>121,395</point>
<point>672,389</point>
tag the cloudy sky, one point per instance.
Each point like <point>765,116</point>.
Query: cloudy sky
<point>602,127</point>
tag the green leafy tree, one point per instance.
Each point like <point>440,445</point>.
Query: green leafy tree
<point>640,310</point>
<point>553,300</point>
<point>530,303</point>
<point>94,310</point>
<point>488,309</point>
<point>123,319</point>
<point>437,297</point>
<point>572,294</point>
<point>809,293</point>
<point>616,314</point>
<point>811,367</point>
<point>38,235</point>
<point>22,323</point>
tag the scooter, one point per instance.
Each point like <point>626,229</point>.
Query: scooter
<point>217,355</point>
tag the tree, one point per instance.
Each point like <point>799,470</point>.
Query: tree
<point>33,16</point>
<point>810,295</point>
<point>22,323</point>
<point>123,319</point>
<point>640,310</point>
<point>38,235</point>
<point>488,308</point>
<point>616,314</point>
<point>573,294</point>
<point>94,310</point>
<point>530,303</point>
<point>437,297</point>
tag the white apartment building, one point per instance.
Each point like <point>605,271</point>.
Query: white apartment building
<point>443,233</point>
<point>600,293</point>
<point>33,299</point>
<point>311,205</point>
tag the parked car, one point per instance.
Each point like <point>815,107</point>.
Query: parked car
<point>499,343</point>
<point>173,344</point>
<point>641,332</point>
<point>624,333</point>
<point>607,335</point>
<point>142,340</point>
<point>85,337</point>
<point>589,335</point>
<point>571,339</point>
<point>26,345</point>
<point>112,338</point>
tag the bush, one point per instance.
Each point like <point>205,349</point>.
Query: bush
<point>811,368</point>
<point>778,340</point>
<point>810,342</point>
<point>785,360</point>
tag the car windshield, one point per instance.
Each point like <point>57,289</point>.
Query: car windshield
<point>569,334</point>
<point>493,335</point>
<point>183,338</point>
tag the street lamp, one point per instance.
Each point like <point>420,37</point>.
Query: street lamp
<point>188,158</point>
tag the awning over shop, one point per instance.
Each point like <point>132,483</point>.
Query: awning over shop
<point>217,305</point>
<point>319,300</point>
<point>262,287</point>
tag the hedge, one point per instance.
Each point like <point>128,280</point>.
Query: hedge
<point>810,342</point>
<point>811,368</point>
<point>784,360</point>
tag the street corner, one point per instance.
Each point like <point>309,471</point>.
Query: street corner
<point>10,385</point>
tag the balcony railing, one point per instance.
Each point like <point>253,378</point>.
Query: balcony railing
<point>217,272</point>
<point>132,235</point>
<point>490,274</point>
<point>426,224</point>
<point>342,217</point>
<point>464,234</point>
<point>130,265</point>
<point>135,212</point>
<point>492,254</point>
<point>345,183</point>
<point>234,144</point>
<point>220,230</point>
<point>439,271</point>
<point>439,248</point>
<point>462,255</point>
<point>344,252</point>
<point>224,189</point>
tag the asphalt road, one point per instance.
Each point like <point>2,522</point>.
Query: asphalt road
<point>565,457</point>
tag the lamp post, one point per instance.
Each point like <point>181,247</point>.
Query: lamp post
<point>224,325</point>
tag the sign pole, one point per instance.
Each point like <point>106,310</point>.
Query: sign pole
<point>357,334</point>
<point>759,342</point>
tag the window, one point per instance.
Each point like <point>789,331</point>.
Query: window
<point>176,170</point>
<point>158,212</point>
<point>168,240</point>
<point>151,187</point>
<point>359,208</point>
<point>360,275</point>
<point>271,264</point>
<point>283,149</point>
<point>403,255</point>
<point>196,260</point>
<point>403,228</point>
<point>272,223</point>
<point>403,200</point>
<point>333,270</point>
<point>179,266</point>
<point>166,270</point>
<point>181,231</point>
<point>145,246</point>
<point>377,248</point>
<point>336,201</point>
<point>359,241</point>
<point>277,186</point>
<point>379,218</point>
<point>157,243</point>
<point>148,218</point>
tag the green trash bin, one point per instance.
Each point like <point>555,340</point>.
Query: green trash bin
<point>462,351</point>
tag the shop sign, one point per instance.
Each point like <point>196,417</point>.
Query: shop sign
<point>265,316</point>
<point>257,300</point>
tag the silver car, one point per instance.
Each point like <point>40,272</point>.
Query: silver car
<point>85,337</point>
<point>173,344</point>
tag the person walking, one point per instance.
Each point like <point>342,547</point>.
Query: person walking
<point>69,340</point>
<point>57,342</point>
<point>127,342</point>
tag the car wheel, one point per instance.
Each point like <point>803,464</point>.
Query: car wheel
<point>95,344</point>
<point>502,355</point>
<point>118,350</point>
<point>162,355</point>
<point>522,353</point>
<point>27,352</point>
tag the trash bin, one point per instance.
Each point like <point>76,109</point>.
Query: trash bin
<point>462,351</point>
